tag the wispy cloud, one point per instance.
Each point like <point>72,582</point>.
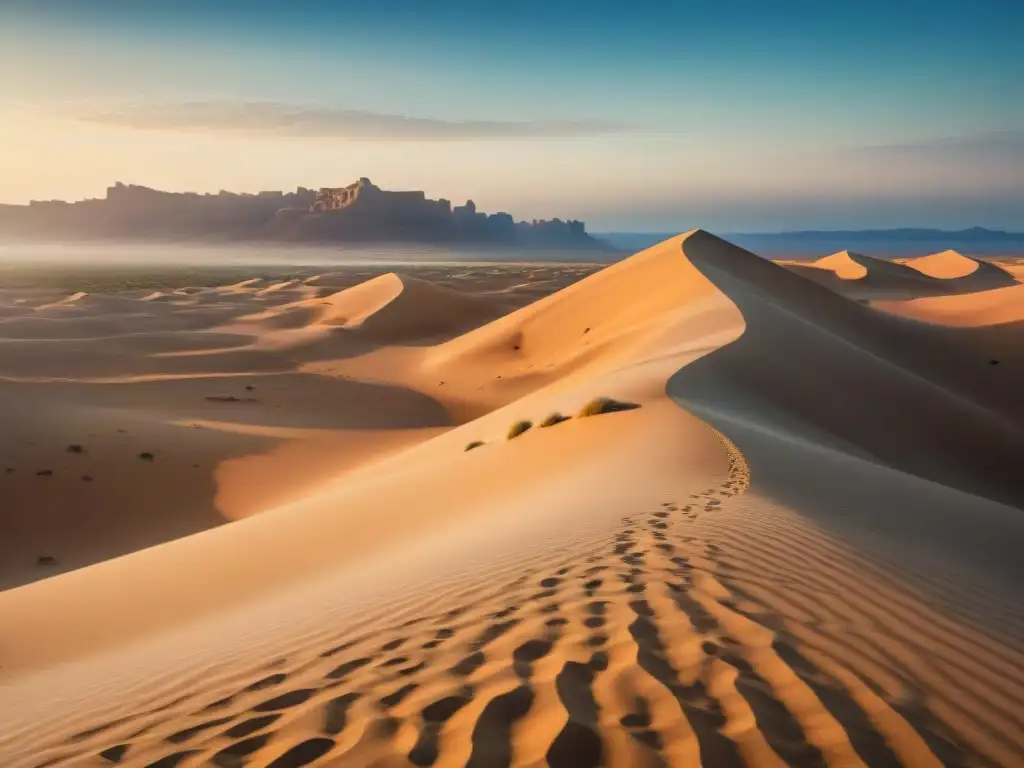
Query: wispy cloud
<point>1001,146</point>
<point>272,118</point>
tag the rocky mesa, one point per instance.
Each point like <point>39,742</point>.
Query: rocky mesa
<point>359,212</point>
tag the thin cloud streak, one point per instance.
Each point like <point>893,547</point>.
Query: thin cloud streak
<point>1005,145</point>
<point>272,118</point>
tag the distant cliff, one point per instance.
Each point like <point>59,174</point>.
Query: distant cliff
<point>359,212</point>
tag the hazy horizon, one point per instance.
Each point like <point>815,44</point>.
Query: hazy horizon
<point>638,118</point>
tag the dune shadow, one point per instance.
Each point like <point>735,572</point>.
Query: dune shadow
<point>851,419</point>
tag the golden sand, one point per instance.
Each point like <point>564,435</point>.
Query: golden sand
<point>799,545</point>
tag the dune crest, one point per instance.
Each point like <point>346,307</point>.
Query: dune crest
<point>968,271</point>
<point>847,271</point>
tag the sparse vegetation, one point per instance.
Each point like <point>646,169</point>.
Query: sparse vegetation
<point>554,418</point>
<point>518,428</point>
<point>474,444</point>
<point>601,405</point>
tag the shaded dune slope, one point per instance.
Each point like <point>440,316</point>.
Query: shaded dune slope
<point>837,373</point>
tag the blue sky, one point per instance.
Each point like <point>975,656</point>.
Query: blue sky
<point>631,115</point>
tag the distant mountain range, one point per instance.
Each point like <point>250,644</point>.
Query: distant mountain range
<point>882,242</point>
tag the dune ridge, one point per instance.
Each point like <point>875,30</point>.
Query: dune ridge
<point>386,309</point>
<point>879,273</point>
<point>967,271</point>
<point>800,549</point>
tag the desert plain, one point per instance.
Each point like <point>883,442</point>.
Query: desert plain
<point>692,508</point>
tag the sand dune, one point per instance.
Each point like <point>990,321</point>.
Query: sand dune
<point>801,548</point>
<point>233,431</point>
<point>999,306</point>
<point>391,306</point>
<point>386,309</point>
<point>880,272</point>
<point>989,327</point>
<point>966,270</point>
<point>65,301</point>
<point>858,275</point>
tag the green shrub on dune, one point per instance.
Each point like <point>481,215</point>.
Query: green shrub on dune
<point>518,428</point>
<point>601,405</point>
<point>554,418</point>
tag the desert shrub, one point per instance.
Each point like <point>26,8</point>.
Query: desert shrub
<point>474,444</point>
<point>554,418</point>
<point>605,405</point>
<point>518,428</point>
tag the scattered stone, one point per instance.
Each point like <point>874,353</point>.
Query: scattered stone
<point>75,448</point>
<point>146,456</point>
<point>86,478</point>
<point>45,473</point>
<point>46,560</point>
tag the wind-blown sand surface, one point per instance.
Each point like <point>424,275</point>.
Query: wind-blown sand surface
<point>798,545</point>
